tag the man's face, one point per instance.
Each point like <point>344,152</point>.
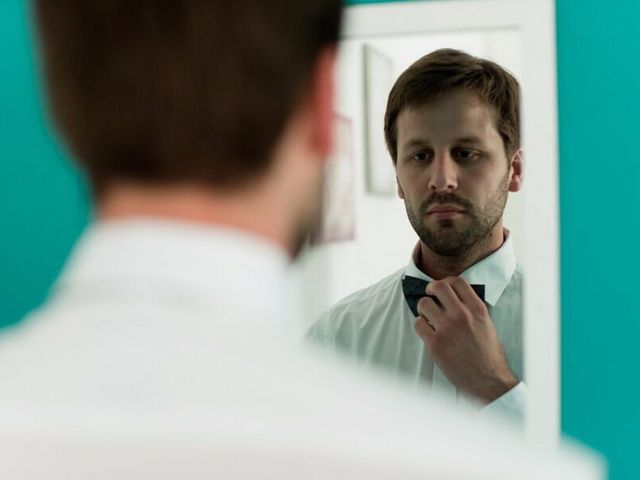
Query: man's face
<point>453,173</point>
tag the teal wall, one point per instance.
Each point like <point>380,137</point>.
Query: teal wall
<point>43,204</point>
<point>599,105</point>
<point>43,207</point>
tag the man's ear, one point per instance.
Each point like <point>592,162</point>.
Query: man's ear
<point>400,191</point>
<point>515,183</point>
<point>322,98</point>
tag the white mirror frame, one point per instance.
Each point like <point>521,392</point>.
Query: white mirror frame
<point>535,19</point>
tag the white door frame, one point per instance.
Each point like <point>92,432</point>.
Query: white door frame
<point>535,19</point>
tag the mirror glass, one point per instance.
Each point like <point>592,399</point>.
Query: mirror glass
<point>366,235</point>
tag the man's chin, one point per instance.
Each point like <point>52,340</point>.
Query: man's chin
<point>447,249</point>
<point>460,222</point>
<point>446,241</point>
<point>444,227</point>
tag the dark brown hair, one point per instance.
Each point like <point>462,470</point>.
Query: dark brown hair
<point>164,91</point>
<point>445,70</point>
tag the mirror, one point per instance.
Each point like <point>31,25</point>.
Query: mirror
<point>367,235</point>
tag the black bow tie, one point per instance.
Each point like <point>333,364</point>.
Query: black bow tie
<point>414,290</point>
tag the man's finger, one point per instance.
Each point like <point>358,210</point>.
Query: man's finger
<point>464,292</point>
<point>445,294</point>
<point>423,328</point>
<point>430,311</point>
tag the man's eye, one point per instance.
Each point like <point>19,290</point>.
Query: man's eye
<point>464,154</point>
<point>420,157</point>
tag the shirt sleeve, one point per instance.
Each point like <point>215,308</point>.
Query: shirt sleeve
<point>319,333</point>
<point>511,405</point>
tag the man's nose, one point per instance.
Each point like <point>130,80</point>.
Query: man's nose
<point>444,174</point>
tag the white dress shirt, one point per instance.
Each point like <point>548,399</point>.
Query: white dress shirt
<point>158,356</point>
<point>376,326</point>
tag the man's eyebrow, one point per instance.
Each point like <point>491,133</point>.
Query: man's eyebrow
<point>422,142</point>
<point>468,139</point>
<point>415,142</point>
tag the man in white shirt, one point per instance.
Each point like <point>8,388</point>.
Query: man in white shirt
<point>452,129</point>
<point>203,127</point>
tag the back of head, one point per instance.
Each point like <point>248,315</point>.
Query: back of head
<point>170,91</point>
<point>446,70</point>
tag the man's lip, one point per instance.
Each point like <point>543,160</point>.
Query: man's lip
<point>445,209</point>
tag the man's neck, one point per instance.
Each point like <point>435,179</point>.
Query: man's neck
<point>249,213</point>
<point>439,266</point>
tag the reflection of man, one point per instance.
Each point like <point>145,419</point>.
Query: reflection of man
<point>202,126</point>
<point>452,129</point>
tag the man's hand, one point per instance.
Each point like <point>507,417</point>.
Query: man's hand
<point>463,341</point>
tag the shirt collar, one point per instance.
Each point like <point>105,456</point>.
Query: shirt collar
<point>494,271</point>
<point>204,261</point>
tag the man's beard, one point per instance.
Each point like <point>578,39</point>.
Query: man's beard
<point>448,240</point>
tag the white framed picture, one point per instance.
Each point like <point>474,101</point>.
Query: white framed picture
<point>338,212</point>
